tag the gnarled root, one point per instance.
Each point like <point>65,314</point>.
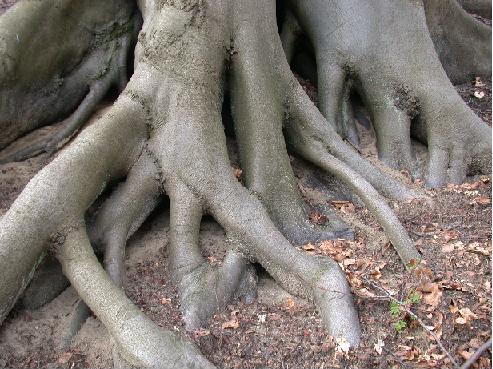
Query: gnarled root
<point>165,133</point>
<point>140,342</point>
<point>462,42</point>
<point>394,66</point>
<point>480,7</point>
<point>40,84</point>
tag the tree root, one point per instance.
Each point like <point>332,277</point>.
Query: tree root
<point>395,68</point>
<point>165,133</point>
<point>480,7</point>
<point>123,213</point>
<point>139,341</point>
<point>462,42</point>
<point>77,73</point>
<point>258,107</point>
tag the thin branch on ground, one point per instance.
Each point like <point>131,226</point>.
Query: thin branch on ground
<point>415,317</point>
<point>485,346</point>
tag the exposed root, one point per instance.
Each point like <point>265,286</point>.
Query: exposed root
<point>165,132</point>
<point>77,318</point>
<point>480,7</point>
<point>319,279</point>
<point>203,289</point>
<point>397,71</point>
<point>462,42</point>
<point>258,107</point>
<point>51,199</point>
<point>139,341</point>
<point>41,83</point>
<point>316,150</point>
<point>123,213</point>
<point>315,128</point>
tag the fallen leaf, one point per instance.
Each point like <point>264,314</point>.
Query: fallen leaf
<point>465,354</point>
<point>64,358</point>
<point>482,200</point>
<point>308,247</point>
<point>201,332</point>
<point>378,346</point>
<point>431,294</point>
<point>237,173</point>
<point>317,218</point>
<point>289,303</point>
<point>470,186</point>
<point>450,235</point>
<point>165,301</point>
<point>344,206</point>
<point>347,262</point>
<point>478,82</point>
<point>342,345</point>
<point>467,314</point>
<point>449,247</point>
<point>231,324</point>
<point>477,248</point>
<point>365,293</point>
<point>478,94</point>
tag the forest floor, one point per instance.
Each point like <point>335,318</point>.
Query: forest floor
<point>449,293</point>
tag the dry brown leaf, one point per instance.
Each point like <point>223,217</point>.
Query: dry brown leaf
<point>64,358</point>
<point>165,301</point>
<point>467,314</point>
<point>347,262</point>
<point>476,247</point>
<point>365,293</point>
<point>344,206</point>
<point>237,173</point>
<point>431,294</point>
<point>289,303</point>
<point>470,186</point>
<point>478,82</point>
<point>231,324</point>
<point>461,321</point>
<point>317,218</point>
<point>450,235</point>
<point>201,332</point>
<point>449,247</point>
<point>482,200</point>
<point>308,247</point>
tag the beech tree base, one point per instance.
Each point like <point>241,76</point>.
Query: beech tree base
<point>164,135</point>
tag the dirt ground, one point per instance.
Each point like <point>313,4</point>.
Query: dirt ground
<point>405,316</point>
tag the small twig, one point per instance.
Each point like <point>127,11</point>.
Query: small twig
<point>476,355</point>
<point>417,318</point>
<point>424,234</point>
<point>403,364</point>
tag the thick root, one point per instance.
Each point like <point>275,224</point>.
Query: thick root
<point>49,62</point>
<point>317,150</point>
<point>395,68</point>
<point>480,7</point>
<point>124,212</point>
<point>139,341</point>
<point>52,198</point>
<point>319,279</point>
<point>258,107</point>
<point>462,42</point>
<point>204,290</point>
